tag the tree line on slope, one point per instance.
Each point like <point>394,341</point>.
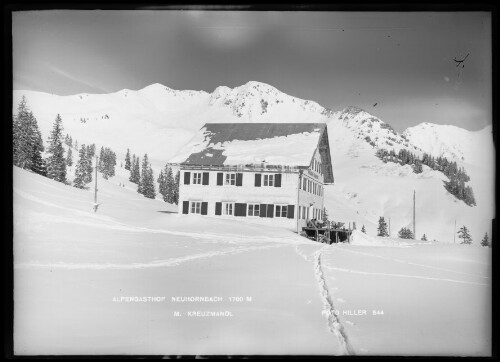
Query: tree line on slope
<point>144,178</point>
<point>457,175</point>
<point>28,151</point>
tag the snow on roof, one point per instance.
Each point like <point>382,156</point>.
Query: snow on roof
<point>228,144</point>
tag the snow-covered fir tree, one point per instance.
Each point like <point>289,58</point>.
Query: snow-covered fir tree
<point>146,184</point>
<point>69,157</point>
<point>27,140</point>
<point>107,162</point>
<point>81,169</point>
<point>135,173</point>
<point>176,187</point>
<point>363,230</point>
<point>382,227</point>
<point>170,186</point>
<point>405,233</point>
<point>38,164</point>
<point>127,160</point>
<point>56,163</point>
<point>162,183</point>
<point>464,234</point>
<point>90,153</point>
<point>485,241</point>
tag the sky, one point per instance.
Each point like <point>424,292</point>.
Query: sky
<point>398,66</point>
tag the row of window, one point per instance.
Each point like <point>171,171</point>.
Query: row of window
<point>315,214</point>
<point>311,186</point>
<point>240,209</point>
<point>231,178</point>
<point>316,166</point>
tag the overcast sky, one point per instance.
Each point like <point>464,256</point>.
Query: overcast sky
<point>401,61</point>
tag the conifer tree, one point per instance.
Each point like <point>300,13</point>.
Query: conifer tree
<point>485,241</point>
<point>417,166</point>
<point>37,162</point>
<point>405,233</point>
<point>162,187</point>
<point>463,234</point>
<point>146,183</point>
<point>81,169</point>
<point>363,230</point>
<point>27,140</point>
<point>135,173</point>
<point>176,187</point>
<point>107,162</point>
<point>69,157</point>
<point>170,186</point>
<point>382,227</point>
<point>127,160</point>
<point>56,164</point>
<point>90,155</point>
<point>424,238</point>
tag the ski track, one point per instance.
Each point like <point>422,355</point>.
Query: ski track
<point>411,263</point>
<point>329,310</point>
<point>402,276</point>
<point>153,264</point>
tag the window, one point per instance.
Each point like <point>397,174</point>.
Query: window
<point>253,209</point>
<point>227,208</point>
<point>304,184</point>
<point>268,180</point>
<point>195,207</point>
<point>230,179</point>
<point>196,178</point>
<point>281,210</point>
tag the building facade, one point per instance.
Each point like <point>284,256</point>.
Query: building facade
<point>284,187</point>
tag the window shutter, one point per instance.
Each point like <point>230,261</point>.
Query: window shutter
<point>204,208</point>
<point>187,178</point>
<point>218,208</point>
<point>220,178</point>
<point>277,180</point>
<point>239,179</point>
<point>258,177</point>
<point>205,178</point>
<point>270,209</point>
<point>262,210</point>
<point>290,211</point>
<point>240,209</point>
<point>185,207</point>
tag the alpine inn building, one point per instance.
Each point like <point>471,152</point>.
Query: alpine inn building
<point>271,172</point>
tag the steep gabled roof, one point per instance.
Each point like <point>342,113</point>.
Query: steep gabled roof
<point>232,144</point>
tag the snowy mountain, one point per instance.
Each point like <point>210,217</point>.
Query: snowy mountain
<point>453,142</point>
<point>159,120</point>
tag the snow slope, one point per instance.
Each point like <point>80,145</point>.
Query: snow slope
<point>158,120</point>
<point>74,270</point>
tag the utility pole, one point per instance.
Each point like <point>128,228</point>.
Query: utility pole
<point>96,205</point>
<point>414,230</point>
